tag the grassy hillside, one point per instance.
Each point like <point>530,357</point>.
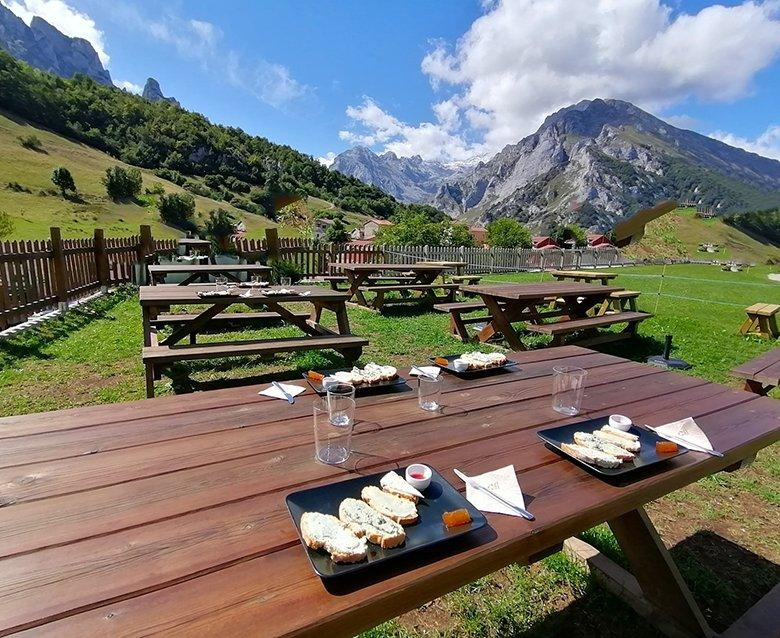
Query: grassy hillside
<point>679,233</point>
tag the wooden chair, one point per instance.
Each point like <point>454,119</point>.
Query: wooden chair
<point>761,320</point>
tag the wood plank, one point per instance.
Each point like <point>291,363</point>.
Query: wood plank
<point>517,292</point>
<point>572,325</point>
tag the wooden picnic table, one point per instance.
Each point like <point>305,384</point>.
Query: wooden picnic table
<point>762,373</point>
<point>583,275</point>
<point>202,272</point>
<point>413,278</point>
<point>510,302</point>
<point>158,299</point>
<point>457,266</point>
<point>167,516</point>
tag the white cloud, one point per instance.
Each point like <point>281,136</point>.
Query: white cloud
<point>68,20</point>
<point>766,144</point>
<point>275,85</point>
<point>681,121</point>
<point>193,39</point>
<point>524,59</point>
<point>127,85</point>
<point>327,159</point>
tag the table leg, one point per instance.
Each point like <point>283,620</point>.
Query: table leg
<point>756,387</point>
<point>233,277</point>
<point>654,569</point>
<point>342,319</point>
<point>501,323</point>
<point>355,281</point>
<point>190,279</point>
<point>147,314</point>
<point>191,327</point>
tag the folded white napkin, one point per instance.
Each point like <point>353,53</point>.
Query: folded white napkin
<point>503,481</point>
<point>431,371</point>
<point>686,430</point>
<point>275,393</point>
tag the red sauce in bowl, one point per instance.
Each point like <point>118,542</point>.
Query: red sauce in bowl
<point>417,475</point>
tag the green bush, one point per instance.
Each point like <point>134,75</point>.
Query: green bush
<point>337,232</point>
<point>221,227</point>
<point>122,183</point>
<point>17,187</point>
<point>281,268</point>
<point>31,142</point>
<point>177,209</point>
<point>172,176</point>
<point>6,225</point>
<point>565,233</point>
<point>508,233</point>
<point>63,180</point>
<point>156,189</point>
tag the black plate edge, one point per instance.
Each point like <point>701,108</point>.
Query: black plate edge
<point>466,373</point>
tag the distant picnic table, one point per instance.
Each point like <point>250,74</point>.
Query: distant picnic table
<point>157,300</point>
<point>168,517</point>
<point>762,373</point>
<point>202,272</point>
<point>406,279</point>
<point>586,276</point>
<point>567,302</point>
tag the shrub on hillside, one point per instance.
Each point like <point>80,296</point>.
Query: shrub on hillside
<point>17,187</point>
<point>63,180</point>
<point>32,142</point>
<point>172,176</point>
<point>337,232</point>
<point>177,209</point>
<point>122,183</point>
<point>6,225</point>
<point>221,227</point>
<point>155,189</point>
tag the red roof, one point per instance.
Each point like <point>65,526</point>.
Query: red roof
<point>544,241</point>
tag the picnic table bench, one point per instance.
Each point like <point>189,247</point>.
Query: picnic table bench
<point>761,320</point>
<point>509,303</point>
<point>167,516</point>
<point>762,373</point>
<point>201,272</point>
<point>583,275</point>
<point>157,300</point>
<point>423,280</point>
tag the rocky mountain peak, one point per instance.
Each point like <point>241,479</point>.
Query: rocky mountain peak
<point>153,93</point>
<point>45,47</point>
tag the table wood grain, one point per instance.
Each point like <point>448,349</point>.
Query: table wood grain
<point>167,516</point>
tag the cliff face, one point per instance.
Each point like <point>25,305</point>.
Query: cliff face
<point>153,92</point>
<point>41,45</point>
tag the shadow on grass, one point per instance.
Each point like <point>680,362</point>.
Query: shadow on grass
<point>31,342</point>
<point>636,349</point>
<point>725,578</point>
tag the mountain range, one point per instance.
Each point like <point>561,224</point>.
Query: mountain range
<point>595,163</point>
<point>43,46</point>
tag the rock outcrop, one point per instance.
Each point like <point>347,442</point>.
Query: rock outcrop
<point>43,46</point>
<point>153,92</point>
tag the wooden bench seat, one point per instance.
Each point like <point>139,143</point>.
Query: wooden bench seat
<point>619,301</point>
<point>466,279</point>
<point>430,290</point>
<point>458,322</point>
<point>223,319</point>
<point>761,320</point>
<point>762,373</point>
<point>156,357</point>
<point>560,329</point>
<point>409,287</point>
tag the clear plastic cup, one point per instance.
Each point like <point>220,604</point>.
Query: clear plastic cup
<point>285,282</point>
<point>568,388</point>
<point>340,399</point>
<point>222,283</point>
<point>332,443</point>
<point>429,392</point>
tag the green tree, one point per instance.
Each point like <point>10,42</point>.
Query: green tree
<point>457,235</point>
<point>563,234</point>
<point>63,180</point>
<point>410,229</point>
<point>177,209</point>
<point>508,233</point>
<point>122,183</point>
<point>337,232</point>
<point>6,225</point>
<point>221,227</point>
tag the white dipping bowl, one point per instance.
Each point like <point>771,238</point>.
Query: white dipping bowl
<point>460,365</point>
<point>619,422</point>
<point>416,483</point>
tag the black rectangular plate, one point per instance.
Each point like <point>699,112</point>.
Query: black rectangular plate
<point>363,388</point>
<point>429,530</point>
<point>647,455</point>
<point>471,373</point>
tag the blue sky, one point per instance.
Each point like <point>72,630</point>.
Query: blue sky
<point>449,80</point>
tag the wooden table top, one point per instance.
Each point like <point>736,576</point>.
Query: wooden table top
<point>205,268</point>
<point>167,516</point>
<point>510,291</point>
<point>451,264</point>
<point>391,267</point>
<point>764,369</point>
<point>583,274</point>
<point>193,241</point>
<point>172,294</point>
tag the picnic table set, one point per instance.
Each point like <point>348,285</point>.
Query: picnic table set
<point>328,504</point>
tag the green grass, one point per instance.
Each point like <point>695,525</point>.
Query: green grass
<point>723,528</point>
<point>34,212</point>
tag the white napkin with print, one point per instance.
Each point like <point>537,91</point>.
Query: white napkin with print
<point>431,371</point>
<point>686,430</point>
<point>503,481</point>
<point>275,393</point>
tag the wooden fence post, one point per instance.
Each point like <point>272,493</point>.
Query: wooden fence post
<point>145,248</point>
<point>101,259</point>
<point>272,243</point>
<point>60,268</point>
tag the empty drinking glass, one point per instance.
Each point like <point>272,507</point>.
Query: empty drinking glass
<point>340,399</point>
<point>257,280</point>
<point>332,442</point>
<point>285,282</point>
<point>429,392</point>
<point>568,387</point>
<point>222,283</point>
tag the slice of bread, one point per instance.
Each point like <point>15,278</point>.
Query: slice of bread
<point>400,510</point>
<point>323,531</point>
<point>589,455</point>
<point>394,483</point>
<point>364,520</point>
